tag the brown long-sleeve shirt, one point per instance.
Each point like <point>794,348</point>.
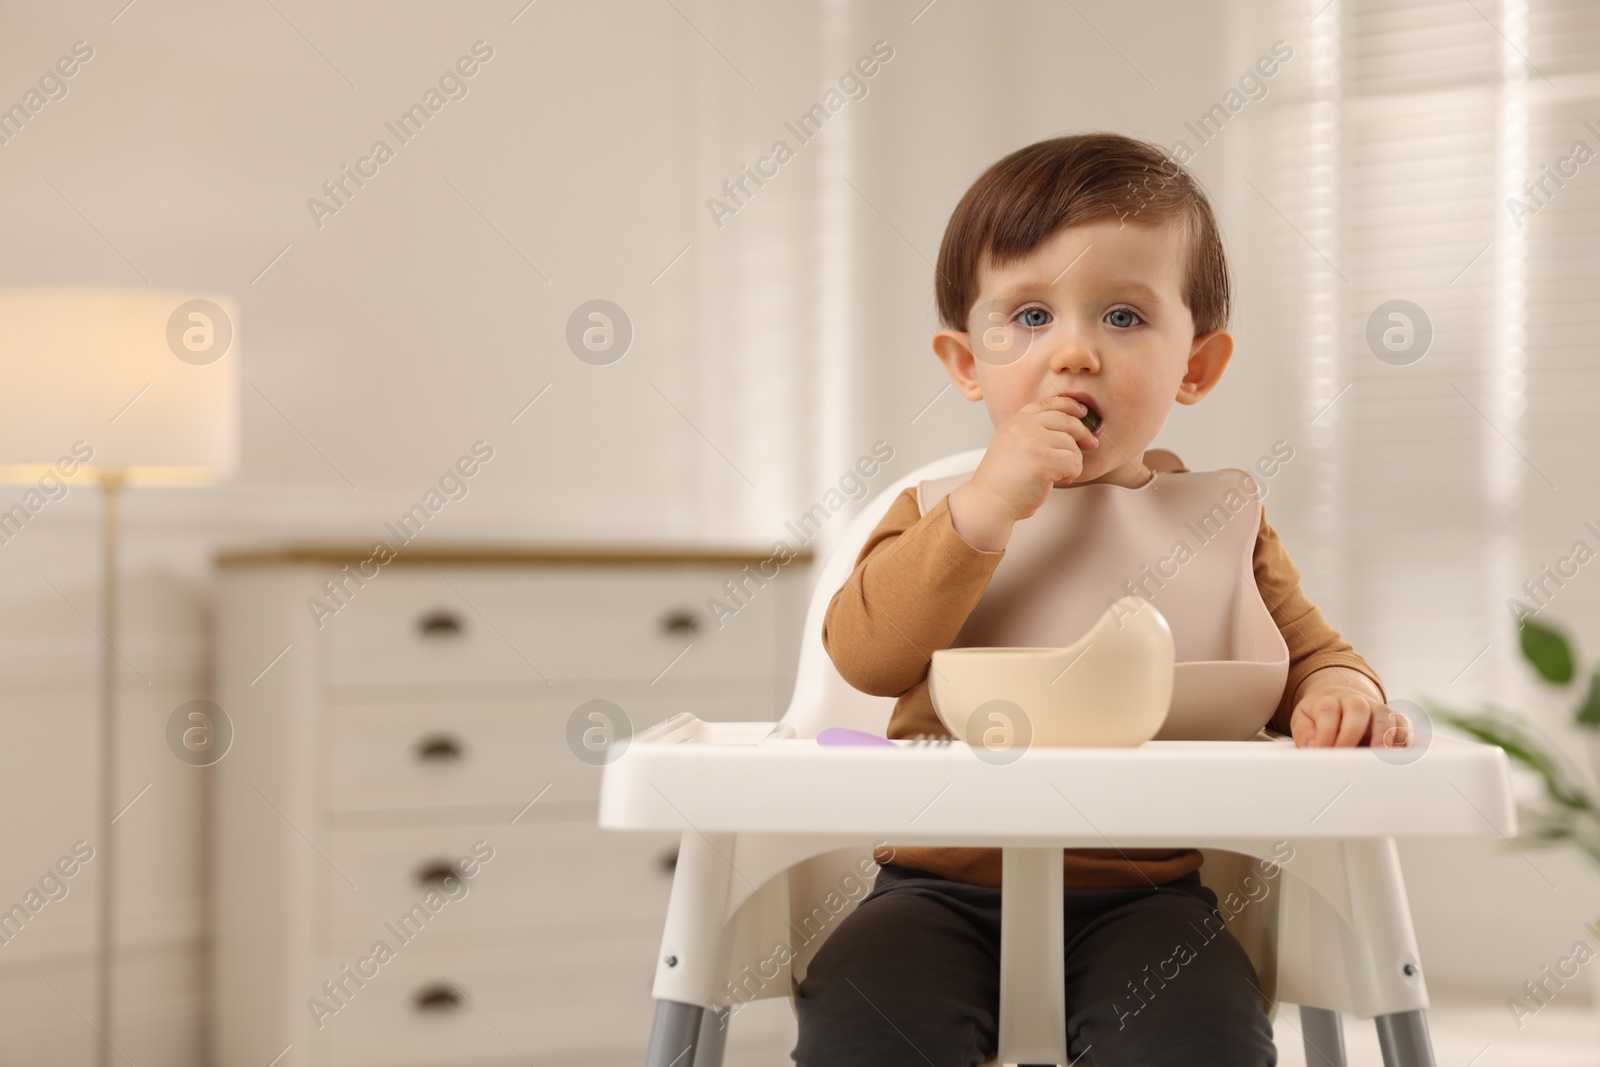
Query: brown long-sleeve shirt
<point>915,582</point>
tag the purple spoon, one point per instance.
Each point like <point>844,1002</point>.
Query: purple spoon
<point>838,735</point>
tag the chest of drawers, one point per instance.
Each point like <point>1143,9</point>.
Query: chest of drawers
<point>435,721</point>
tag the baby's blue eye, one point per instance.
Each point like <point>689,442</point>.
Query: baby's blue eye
<point>1125,317</point>
<point>1032,322</point>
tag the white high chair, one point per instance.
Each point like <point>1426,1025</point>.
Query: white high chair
<point>774,824</point>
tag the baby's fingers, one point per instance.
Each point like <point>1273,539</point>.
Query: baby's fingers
<point>1355,717</point>
<point>1316,722</point>
<point>1390,729</point>
<point>1330,719</point>
<point>1056,423</point>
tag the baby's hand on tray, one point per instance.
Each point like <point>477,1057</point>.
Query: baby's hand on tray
<point>1336,714</point>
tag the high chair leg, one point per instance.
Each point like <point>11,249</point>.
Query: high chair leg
<point>1324,1037</point>
<point>713,1037</point>
<point>1403,1037</point>
<point>674,1034</point>
<point>691,956</point>
<point>1033,991</point>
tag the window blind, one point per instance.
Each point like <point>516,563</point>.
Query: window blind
<point>1447,481</point>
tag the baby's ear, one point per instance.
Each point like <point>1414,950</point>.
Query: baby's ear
<point>954,349</point>
<point>1208,357</point>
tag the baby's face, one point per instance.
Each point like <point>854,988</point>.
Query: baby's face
<point>1097,311</point>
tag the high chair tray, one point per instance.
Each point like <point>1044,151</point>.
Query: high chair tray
<point>730,777</point>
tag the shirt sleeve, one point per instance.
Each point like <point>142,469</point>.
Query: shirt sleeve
<point>1313,644</point>
<point>915,582</point>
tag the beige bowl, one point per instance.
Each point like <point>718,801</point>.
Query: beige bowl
<point>1111,687</point>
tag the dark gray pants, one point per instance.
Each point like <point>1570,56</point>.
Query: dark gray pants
<point>912,976</point>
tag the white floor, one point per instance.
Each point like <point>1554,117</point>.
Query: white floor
<point>1484,1036</point>
<point>1481,1036</point>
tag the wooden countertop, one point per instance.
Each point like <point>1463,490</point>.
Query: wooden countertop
<point>352,552</point>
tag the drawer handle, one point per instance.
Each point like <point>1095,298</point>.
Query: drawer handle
<point>440,748</point>
<point>441,623</point>
<point>438,997</point>
<point>680,621</point>
<point>669,859</point>
<point>436,872</point>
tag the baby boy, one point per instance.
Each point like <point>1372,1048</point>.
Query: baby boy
<point>1083,288</point>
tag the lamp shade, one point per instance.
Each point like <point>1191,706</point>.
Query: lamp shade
<point>144,381</point>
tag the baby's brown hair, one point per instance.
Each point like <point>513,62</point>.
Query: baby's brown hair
<point>1027,196</point>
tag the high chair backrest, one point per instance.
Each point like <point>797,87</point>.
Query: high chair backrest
<point>821,697</point>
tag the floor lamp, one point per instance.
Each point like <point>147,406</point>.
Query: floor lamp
<point>124,387</point>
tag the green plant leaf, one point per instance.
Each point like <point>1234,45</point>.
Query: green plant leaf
<point>1547,650</point>
<point>1520,746</point>
<point>1587,847</point>
<point>1589,710</point>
